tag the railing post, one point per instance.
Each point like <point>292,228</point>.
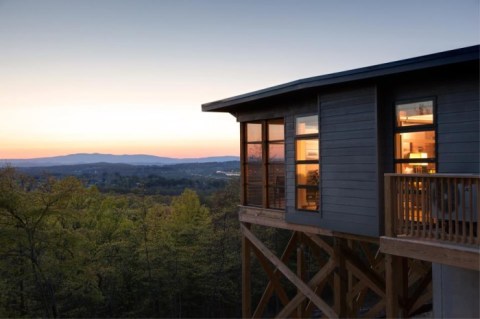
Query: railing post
<point>389,213</point>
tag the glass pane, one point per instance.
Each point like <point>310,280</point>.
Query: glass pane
<point>415,168</point>
<point>307,149</point>
<point>276,174</point>
<point>276,130</point>
<point>254,153</point>
<point>307,125</point>
<point>415,145</point>
<point>254,194</point>
<point>417,113</point>
<point>254,132</point>
<point>308,174</point>
<point>276,152</point>
<point>307,199</point>
<point>253,173</point>
<point>276,197</point>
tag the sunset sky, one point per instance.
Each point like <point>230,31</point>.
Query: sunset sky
<point>128,77</point>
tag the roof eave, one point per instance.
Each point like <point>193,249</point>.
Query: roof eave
<point>407,65</point>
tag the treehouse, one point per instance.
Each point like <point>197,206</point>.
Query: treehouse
<point>375,171</point>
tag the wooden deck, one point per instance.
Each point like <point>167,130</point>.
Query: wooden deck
<point>275,218</point>
<point>433,218</point>
<point>350,265</point>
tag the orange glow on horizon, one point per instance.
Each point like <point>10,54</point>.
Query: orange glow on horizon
<point>175,149</point>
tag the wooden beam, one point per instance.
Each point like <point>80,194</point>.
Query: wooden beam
<point>340,279</point>
<point>306,290</point>
<point>269,290</point>
<point>419,291</point>
<point>273,276</point>
<point>316,280</point>
<point>423,299</point>
<point>375,310</point>
<point>361,238</point>
<point>321,243</point>
<point>364,273</point>
<point>442,253</point>
<point>246,281</point>
<point>281,223</point>
<point>300,272</point>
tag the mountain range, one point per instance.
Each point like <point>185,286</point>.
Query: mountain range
<point>88,158</point>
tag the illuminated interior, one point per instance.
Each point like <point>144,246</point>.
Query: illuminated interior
<point>307,166</point>
<point>415,138</point>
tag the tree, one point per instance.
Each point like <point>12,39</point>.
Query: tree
<point>29,212</point>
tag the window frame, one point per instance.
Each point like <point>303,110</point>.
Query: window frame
<point>265,162</point>
<point>415,129</point>
<point>310,136</point>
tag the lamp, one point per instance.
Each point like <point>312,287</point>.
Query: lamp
<point>418,166</point>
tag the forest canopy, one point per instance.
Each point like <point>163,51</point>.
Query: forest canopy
<point>68,250</point>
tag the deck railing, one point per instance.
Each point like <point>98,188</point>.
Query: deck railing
<point>433,206</point>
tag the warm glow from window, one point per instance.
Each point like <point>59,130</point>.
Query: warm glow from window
<point>415,138</point>
<point>307,167</point>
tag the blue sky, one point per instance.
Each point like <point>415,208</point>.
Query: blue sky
<point>130,76</point>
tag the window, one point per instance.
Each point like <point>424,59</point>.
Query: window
<point>415,137</point>
<point>264,164</point>
<point>307,166</point>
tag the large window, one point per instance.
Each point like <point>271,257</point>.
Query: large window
<point>307,166</point>
<point>264,164</point>
<point>415,137</point>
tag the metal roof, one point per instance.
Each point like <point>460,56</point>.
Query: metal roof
<point>413,64</point>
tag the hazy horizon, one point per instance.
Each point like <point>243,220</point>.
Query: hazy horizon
<point>118,154</point>
<point>130,76</point>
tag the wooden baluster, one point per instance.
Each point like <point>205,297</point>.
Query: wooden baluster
<point>477,215</point>
<point>416,207</point>
<point>435,202</point>
<point>449,205</point>
<point>400,203</point>
<point>429,206</point>
<point>442,205</point>
<point>394,205</point>
<point>410,206</point>
<point>464,214</point>
<point>455,205</point>
<point>398,210</point>
<point>424,208</point>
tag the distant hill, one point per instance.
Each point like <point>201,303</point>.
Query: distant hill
<point>86,158</point>
<point>170,179</point>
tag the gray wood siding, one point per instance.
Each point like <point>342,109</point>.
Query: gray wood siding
<point>348,161</point>
<point>457,115</point>
<point>458,134</point>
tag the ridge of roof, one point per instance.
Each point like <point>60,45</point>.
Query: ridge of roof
<point>416,63</point>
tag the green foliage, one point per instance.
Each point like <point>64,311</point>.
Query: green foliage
<point>67,250</point>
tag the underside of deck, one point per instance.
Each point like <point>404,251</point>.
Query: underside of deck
<point>463,256</point>
<point>349,278</point>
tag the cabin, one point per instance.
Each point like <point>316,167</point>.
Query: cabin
<point>375,171</point>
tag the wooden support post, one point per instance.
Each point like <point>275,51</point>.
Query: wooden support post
<point>246,281</point>
<point>389,213</point>
<point>394,286</point>
<point>340,279</point>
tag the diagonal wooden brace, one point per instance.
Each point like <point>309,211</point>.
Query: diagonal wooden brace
<point>290,275</point>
